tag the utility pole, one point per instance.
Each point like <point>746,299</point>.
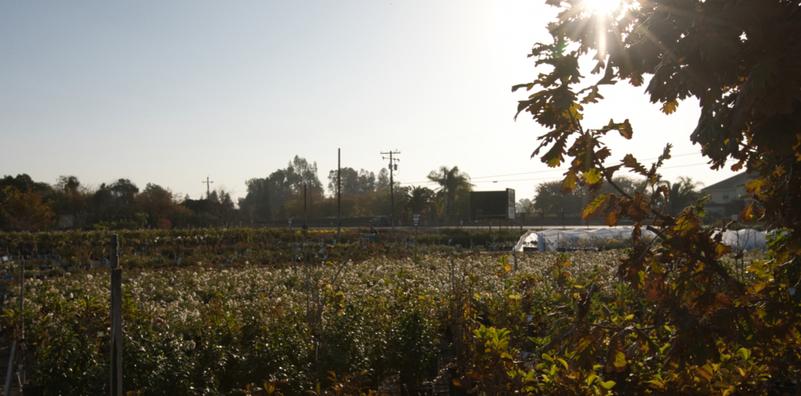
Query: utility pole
<point>391,156</point>
<point>305,209</point>
<point>339,191</point>
<point>208,182</point>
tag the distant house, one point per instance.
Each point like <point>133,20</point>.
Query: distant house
<point>727,197</point>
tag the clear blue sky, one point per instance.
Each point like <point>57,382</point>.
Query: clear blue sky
<point>168,92</point>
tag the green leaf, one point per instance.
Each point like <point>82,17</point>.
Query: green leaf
<point>608,384</point>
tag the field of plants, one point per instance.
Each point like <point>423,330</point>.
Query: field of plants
<point>381,324</point>
<point>423,320</point>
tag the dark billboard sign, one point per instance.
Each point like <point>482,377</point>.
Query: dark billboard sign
<point>492,204</point>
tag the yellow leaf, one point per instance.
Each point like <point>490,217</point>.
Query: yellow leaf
<point>728,391</point>
<point>569,183</point>
<point>608,384</point>
<point>670,106</point>
<point>657,384</point>
<point>594,206</point>
<point>745,353</point>
<point>704,372</point>
<point>592,177</point>
<point>591,378</point>
<point>629,317</point>
<point>620,360</point>
<point>721,249</point>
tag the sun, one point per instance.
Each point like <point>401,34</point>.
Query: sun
<point>601,7</point>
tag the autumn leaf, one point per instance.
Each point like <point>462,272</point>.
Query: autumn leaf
<point>611,217</point>
<point>620,360</point>
<point>570,181</point>
<point>594,206</point>
<point>608,384</point>
<point>625,129</point>
<point>670,106</point>
<point>630,162</point>
<point>592,177</point>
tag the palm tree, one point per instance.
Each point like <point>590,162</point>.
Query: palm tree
<point>682,193</point>
<point>451,181</point>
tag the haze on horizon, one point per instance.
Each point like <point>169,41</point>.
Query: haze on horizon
<point>171,92</point>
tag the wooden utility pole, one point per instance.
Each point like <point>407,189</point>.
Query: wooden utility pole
<point>339,191</point>
<point>393,166</point>
<point>208,182</point>
<point>116,318</point>
<point>305,209</point>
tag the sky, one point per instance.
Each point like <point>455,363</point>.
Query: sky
<point>172,92</point>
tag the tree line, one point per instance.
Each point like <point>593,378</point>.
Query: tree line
<point>287,196</point>
<point>553,200</point>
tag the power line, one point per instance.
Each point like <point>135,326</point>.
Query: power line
<point>544,177</point>
<point>564,168</point>
<point>541,171</point>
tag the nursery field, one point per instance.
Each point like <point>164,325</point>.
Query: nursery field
<point>382,324</point>
<point>400,318</point>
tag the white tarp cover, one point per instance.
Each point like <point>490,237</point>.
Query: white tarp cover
<point>745,239</point>
<point>575,239</point>
<point>550,240</point>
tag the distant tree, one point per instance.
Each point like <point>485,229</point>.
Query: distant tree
<point>382,180</point>
<point>69,201</point>
<point>255,206</point>
<point>114,204</point>
<point>353,182</point>
<point>24,211</point>
<point>68,184</point>
<point>525,206</point>
<point>280,195</point>
<point>217,209</point>
<point>552,200</point>
<point>158,204</point>
<point>420,199</point>
<point>451,182</point>
<point>24,183</point>
<point>301,172</point>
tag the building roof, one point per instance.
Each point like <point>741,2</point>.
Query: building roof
<point>733,182</point>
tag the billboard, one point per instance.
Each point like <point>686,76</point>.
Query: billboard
<point>492,204</point>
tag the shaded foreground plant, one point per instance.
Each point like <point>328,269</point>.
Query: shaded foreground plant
<point>686,325</point>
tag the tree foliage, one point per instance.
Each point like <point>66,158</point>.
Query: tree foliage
<point>742,61</point>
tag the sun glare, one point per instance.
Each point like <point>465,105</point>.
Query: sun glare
<point>601,7</point>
